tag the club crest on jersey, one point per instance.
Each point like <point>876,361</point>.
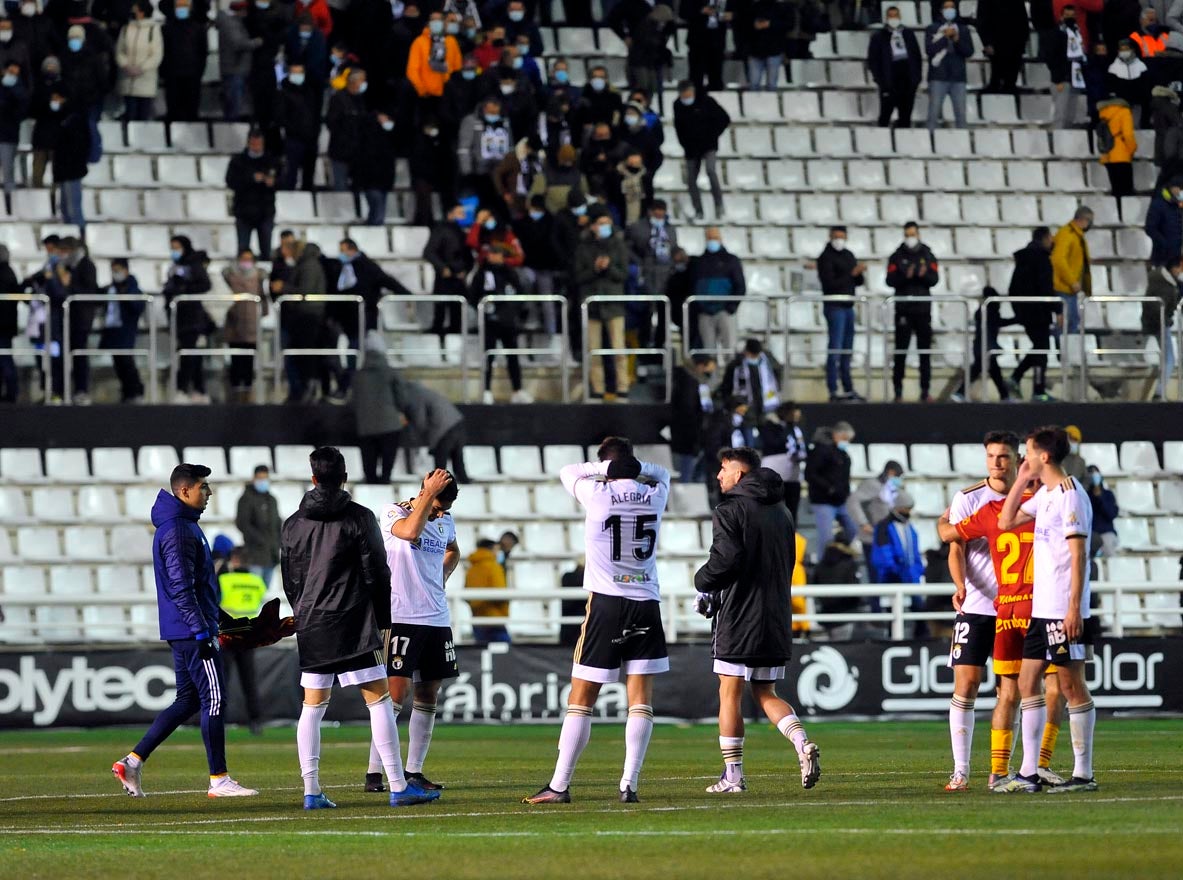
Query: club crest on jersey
<point>440,526</point>
<point>1072,520</point>
<point>396,662</point>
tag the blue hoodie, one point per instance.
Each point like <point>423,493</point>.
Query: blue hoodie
<point>186,586</point>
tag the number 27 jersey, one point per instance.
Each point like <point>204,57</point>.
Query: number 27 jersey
<point>620,528</point>
<point>1012,553</point>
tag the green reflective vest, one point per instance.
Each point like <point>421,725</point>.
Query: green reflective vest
<point>242,593</point>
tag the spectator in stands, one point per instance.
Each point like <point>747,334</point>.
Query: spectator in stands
<point>1074,464</point>
<point>486,573</point>
<point>241,328</point>
<point>652,241</point>
<point>949,44</point>
<point>360,276</point>
<point>318,11</point>
<point>297,116</point>
<point>73,273</point>
<point>785,451</point>
<point>729,423</point>
<point>347,110</point>
<point>873,500</point>
<point>706,39</point>
<point>235,49</point>
<point>912,271</point>
<point>45,119</point>
<point>15,48</point>
<point>9,328</point>
<point>699,122</point>
<point>14,108</point>
<point>251,176</point>
<point>434,57</point>
<point>894,60</point>
<point>760,28</point>
<point>1105,511</point>
<point>187,276</point>
<point>257,517</point>
<point>485,139</point>
<point>1165,119</point>
<point>827,472</point>
<point>506,544</point>
<point>691,403</point>
<point>1162,282</point>
<point>433,166</point>
<point>185,50</point>
<point>1126,78</point>
<point>642,131</point>
<point>632,177</point>
<point>753,375</point>
<point>307,46</point>
<point>542,262</point>
<point>717,273</point>
<point>570,633</point>
<point>1066,61</point>
<point>994,325</point>
<point>435,423</point>
<point>601,267</point>
<point>372,167</point>
<point>841,273</point>
<point>805,20</point>
<point>1085,10</point>
<point>1164,223</point>
<point>519,22</point>
<point>559,178</point>
<point>376,414</point>
<point>498,254</point>
<point>1070,263</point>
<point>895,556</point>
<point>451,260</point>
<point>514,175</point>
<point>267,23</point>
<point>1116,117</point>
<point>139,52</point>
<point>1148,35</point>
<point>1033,277</point>
<point>121,323</point>
<point>71,147</point>
<point>86,77</point>
<point>648,58</point>
<point>1004,28</point>
<point>598,102</point>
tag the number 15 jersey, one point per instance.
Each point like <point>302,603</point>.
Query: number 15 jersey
<point>623,518</point>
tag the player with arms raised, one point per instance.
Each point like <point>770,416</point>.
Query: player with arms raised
<point>624,500</point>
<point>1063,518</point>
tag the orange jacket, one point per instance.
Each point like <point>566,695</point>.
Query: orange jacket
<point>429,83</point>
<point>1148,46</point>
<point>1116,114</point>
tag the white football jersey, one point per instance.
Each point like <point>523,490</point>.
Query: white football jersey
<point>1060,512</point>
<point>621,527</point>
<point>981,584</point>
<point>417,568</point>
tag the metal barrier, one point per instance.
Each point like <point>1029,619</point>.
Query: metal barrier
<point>46,354</point>
<point>721,356</point>
<point>149,352</point>
<point>493,299</point>
<point>666,352</point>
<point>1101,351</point>
<point>439,299</point>
<point>890,352</point>
<point>864,301</point>
<point>281,352</point>
<point>256,353</point>
<point>987,352</point>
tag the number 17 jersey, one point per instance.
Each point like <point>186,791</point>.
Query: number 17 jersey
<point>623,518</point>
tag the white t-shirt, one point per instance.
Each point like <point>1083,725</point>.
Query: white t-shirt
<point>417,568</point>
<point>981,584</point>
<point>1060,512</point>
<point>621,527</point>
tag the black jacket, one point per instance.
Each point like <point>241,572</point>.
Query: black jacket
<point>189,277</point>
<point>254,200</point>
<point>71,144</point>
<point>297,112</point>
<point>336,578</point>
<point>344,118</point>
<point>700,125</point>
<point>372,281</point>
<point>186,46</point>
<point>537,238</point>
<point>881,64</point>
<point>753,552</point>
<point>834,270</point>
<point>827,471</point>
<point>686,415</point>
<point>448,249</point>
<point>372,165</point>
<point>9,326</point>
<point>14,107</point>
<point>918,285</point>
<point>1032,277</point>
<point>257,517</point>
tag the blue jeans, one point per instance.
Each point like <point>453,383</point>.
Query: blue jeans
<point>485,634</point>
<point>233,92</point>
<point>764,69</point>
<point>1071,312</point>
<point>375,206</point>
<point>8,164</point>
<point>687,467</point>
<point>938,90</point>
<point>70,194</point>
<point>824,516</point>
<point>840,323</point>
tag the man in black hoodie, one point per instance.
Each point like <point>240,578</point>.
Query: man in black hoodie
<point>9,328</point>
<point>699,122</point>
<point>745,587</point>
<point>74,274</point>
<point>1033,276</point>
<point>841,273</point>
<point>912,271</point>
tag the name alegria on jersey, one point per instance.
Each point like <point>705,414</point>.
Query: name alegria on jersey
<point>632,498</point>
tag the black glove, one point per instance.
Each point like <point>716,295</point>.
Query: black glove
<point>207,646</point>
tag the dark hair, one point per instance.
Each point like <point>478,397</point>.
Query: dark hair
<point>753,346</point>
<point>486,544</point>
<point>328,466</point>
<point>685,84</point>
<point>350,243</point>
<point>702,359</point>
<point>745,455</point>
<point>448,494</point>
<point>658,205</point>
<point>1176,260</point>
<point>262,469</point>
<point>120,261</point>
<point>1051,439</point>
<point>615,448</point>
<point>512,535</point>
<point>911,224</point>
<point>186,475</point>
<point>287,233</point>
<point>54,240</point>
<point>786,408</point>
<point>1008,438</point>
<point>538,201</point>
<point>839,228</point>
<point>1039,233</point>
<point>734,401</point>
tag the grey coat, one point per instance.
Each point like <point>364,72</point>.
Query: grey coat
<point>654,273</point>
<point>429,415</point>
<point>865,506</point>
<point>235,45</point>
<point>375,406</point>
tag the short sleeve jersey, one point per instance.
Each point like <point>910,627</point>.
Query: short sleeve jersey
<point>1012,552</point>
<point>623,518</point>
<point>1061,513</point>
<point>980,584</point>
<point>417,568</point>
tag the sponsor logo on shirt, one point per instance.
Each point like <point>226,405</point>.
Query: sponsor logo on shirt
<point>641,578</point>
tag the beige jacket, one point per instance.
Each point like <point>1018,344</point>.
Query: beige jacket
<point>140,47</point>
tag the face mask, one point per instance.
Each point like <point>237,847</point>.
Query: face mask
<point>289,261</point>
<point>736,420</point>
<point>579,210</point>
<point>905,515</point>
<point>1096,478</point>
<point>52,260</point>
<point>490,224</point>
<point>262,485</point>
<point>604,231</point>
<point>537,215</point>
<point>598,83</point>
<point>344,257</point>
<point>714,246</point>
<point>523,49</point>
<point>561,77</point>
<point>1074,447</point>
<point>893,23</point>
<point>175,256</point>
<point>949,14</point>
<point>431,132</point>
<point>28,10</point>
<point>182,12</point>
<point>895,482</point>
<point>911,242</point>
<point>305,35</point>
<point>468,73</point>
<point>516,16</point>
<point>255,154</point>
<point>659,222</point>
<point>501,557</point>
<point>388,125</point>
<point>5,36</point>
<point>686,102</point>
<point>632,120</point>
<point>118,277</point>
<point>492,118</point>
<point>246,266</point>
<point>297,79</point>
<point>9,80</point>
<point>843,445</point>
<point>75,45</point>
<point>470,33</point>
<point>361,90</point>
<point>838,244</point>
<point>507,88</point>
<point>752,362</point>
<point>262,4</point>
<point>435,27</point>
<point>1124,56</point>
<point>55,106</point>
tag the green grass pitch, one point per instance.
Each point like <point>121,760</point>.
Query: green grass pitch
<point>879,811</point>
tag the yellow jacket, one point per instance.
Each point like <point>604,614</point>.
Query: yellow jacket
<point>485,572</point>
<point>799,607</point>
<point>1116,114</point>
<point>1070,260</point>
<point>428,82</point>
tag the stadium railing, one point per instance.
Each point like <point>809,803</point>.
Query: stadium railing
<point>887,320</point>
<point>666,352</point>
<point>987,352</point>
<point>724,356</point>
<point>45,354</point>
<point>561,337</point>
<point>281,351</point>
<point>863,302</point>
<point>1086,309</point>
<point>256,353</point>
<point>436,299</point>
<point>152,386</point>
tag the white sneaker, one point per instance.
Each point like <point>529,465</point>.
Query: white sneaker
<point>521,396</point>
<point>487,398</point>
<point>82,399</point>
<point>958,781</point>
<point>128,776</point>
<point>227,787</point>
<point>198,398</point>
<point>811,768</point>
<point>182,398</point>
<point>726,786</point>
<point>1050,777</point>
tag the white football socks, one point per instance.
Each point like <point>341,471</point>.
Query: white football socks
<point>375,758</point>
<point>791,728</point>
<point>1082,720</point>
<point>308,745</point>
<point>384,736</point>
<point>732,749</point>
<point>961,731</point>
<point>419,731</point>
<point>1034,717</point>
<point>572,741</point>
<point>637,732</point>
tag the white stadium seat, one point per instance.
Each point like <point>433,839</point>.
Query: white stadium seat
<point>1139,457</point>
<point>930,459</point>
<point>1103,456</point>
<point>878,454</point>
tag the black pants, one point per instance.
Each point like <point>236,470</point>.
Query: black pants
<point>244,662</point>
<point>908,323</point>
<point>1005,67</point>
<point>9,384</point>
<point>445,317</point>
<point>793,498</point>
<point>182,97</point>
<point>1121,179</point>
<point>505,333</point>
<point>80,368</point>
<point>451,447</point>
<point>706,63</point>
<point>899,97</point>
<point>242,367</point>
<point>191,371</point>
<point>1040,335</point>
<point>378,452</point>
<point>130,384</point>
<point>975,370</point>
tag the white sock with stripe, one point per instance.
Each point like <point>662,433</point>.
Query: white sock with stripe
<point>384,735</point>
<point>732,749</point>
<point>572,741</point>
<point>961,731</point>
<point>1082,720</point>
<point>375,758</point>
<point>419,730</point>
<point>790,728</point>
<point>308,745</point>
<point>637,732</point>
<point>1034,717</point>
